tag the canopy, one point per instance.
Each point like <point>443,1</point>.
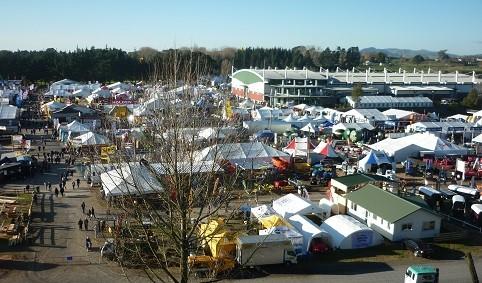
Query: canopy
<point>301,106</point>
<point>477,139</point>
<point>298,147</point>
<point>292,204</point>
<point>272,221</point>
<point>309,128</point>
<point>410,146</point>
<point>373,158</point>
<point>240,153</point>
<point>304,118</point>
<point>90,138</point>
<point>326,149</point>
<point>77,127</point>
<point>53,106</point>
<point>319,118</point>
<point>290,118</point>
<point>129,180</point>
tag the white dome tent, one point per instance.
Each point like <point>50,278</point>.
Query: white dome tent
<point>346,233</point>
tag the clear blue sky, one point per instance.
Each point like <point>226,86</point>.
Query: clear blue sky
<point>129,24</point>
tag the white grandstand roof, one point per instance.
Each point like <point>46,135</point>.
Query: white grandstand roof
<point>410,78</point>
<point>290,74</point>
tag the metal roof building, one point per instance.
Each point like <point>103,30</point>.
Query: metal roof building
<point>387,102</point>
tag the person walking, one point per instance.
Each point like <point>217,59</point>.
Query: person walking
<point>89,213</point>
<point>73,185</point>
<point>92,211</point>
<point>56,191</point>
<point>80,223</point>
<point>88,243</point>
<point>78,183</point>
<point>62,191</point>
<point>50,186</point>
<point>83,207</point>
<point>86,224</point>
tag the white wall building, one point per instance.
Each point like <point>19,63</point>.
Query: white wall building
<point>393,217</point>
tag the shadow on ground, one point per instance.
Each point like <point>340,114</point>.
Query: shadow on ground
<point>25,265</point>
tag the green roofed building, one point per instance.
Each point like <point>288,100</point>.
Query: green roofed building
<point>340,186</point>
<point>392,216</point>
<point>280,86</point>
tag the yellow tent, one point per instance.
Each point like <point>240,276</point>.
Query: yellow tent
<point>272,221</point>
<point>219,240</point>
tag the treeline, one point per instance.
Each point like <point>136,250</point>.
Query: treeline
<point>298,57</point>
<point>111,64</point>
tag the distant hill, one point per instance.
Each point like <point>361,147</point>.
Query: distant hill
<point>405,53</point>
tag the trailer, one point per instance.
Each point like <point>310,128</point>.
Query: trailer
<point>467,192</point>
<point>430,195</point>
<point>476,211</point>
<point>255,250</point>
<point>458,205</point>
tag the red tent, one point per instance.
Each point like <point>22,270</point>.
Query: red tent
<point>326,149</point>
<point>300,146</point>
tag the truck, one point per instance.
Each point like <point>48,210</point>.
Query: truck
<point>254,250</point>
<point>421,274</point>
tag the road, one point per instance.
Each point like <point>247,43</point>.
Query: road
<point>454,271</point>
<point>58,252</point>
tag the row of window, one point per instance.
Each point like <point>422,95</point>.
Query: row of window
<point>406,104</point>
<point>426,226</point>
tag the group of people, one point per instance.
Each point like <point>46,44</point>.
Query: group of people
<point>99,225</point>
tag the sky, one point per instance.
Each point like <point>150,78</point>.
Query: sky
<point>128,24</point>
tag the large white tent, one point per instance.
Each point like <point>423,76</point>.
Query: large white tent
<point>53,106</point>
<point>292,204</point>
<point>77,127</point>
<point>83,92</point>
<point>348,233</point>
<point>410,146</point>
<point>90,138</point>
<point>249,155</point>
<point>136,179</point>
<point>130,179</point>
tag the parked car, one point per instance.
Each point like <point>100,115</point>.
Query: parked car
<point>418,247</point>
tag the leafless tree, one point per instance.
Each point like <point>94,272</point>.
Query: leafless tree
<point>165,193</point>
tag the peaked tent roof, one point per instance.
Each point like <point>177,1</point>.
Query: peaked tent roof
<point>304,118</point>
<point>309,128</point>
<point>77,127</point>
<point>375,157</point>
<point>91,138</point>
<point>290,118</point>
<point>402,148</point>
<point>477,139</point>
<point>239,152</point>
<point>382,203</point>
<point>326,149</point>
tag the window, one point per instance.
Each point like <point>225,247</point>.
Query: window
<point>374,216</point>
<point>353,206</point>
<point>388,225</point>
<point>407,226</point>
<point>381,220</point>
<point>430,225</point>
